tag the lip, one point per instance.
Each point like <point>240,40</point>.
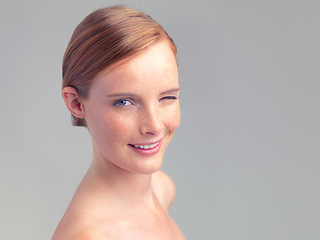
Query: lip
<point>147,152</point>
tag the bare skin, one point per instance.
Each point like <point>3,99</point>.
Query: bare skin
<point>95,213</point>
<point>124,195</point>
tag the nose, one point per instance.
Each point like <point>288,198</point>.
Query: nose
<point>150,122</point>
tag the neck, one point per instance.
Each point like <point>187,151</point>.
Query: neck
<point>123,186</point>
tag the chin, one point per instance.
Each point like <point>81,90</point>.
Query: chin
<point>149,167</point>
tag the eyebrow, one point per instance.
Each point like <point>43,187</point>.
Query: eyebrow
<point>173,90</point>
<point>128,94</point>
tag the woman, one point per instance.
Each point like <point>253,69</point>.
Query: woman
<point>120,80</point>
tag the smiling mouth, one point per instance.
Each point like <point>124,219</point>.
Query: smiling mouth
<point>145,146</point>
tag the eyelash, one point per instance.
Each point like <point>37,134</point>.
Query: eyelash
<point>169,98</point>
<point>117,102</point>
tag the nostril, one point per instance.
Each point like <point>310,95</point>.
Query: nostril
<point>150,123</point>
<point>151,127</point>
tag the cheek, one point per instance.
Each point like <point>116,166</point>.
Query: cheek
<point>118,127</point>
<point>109,127</point>
<point>173,119</point>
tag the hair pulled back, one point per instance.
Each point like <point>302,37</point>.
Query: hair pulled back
<point>102,39</point>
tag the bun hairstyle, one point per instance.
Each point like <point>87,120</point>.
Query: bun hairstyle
<point>102,39</point>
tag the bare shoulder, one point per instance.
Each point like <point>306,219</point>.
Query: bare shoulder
<point>164,188</point>
<point>89,234</point>
<point>77,224</point>
<point>84,233</point>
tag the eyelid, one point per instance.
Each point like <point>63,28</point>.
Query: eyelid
<point>171,97</point>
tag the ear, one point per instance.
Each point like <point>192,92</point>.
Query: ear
<point>73,102</point>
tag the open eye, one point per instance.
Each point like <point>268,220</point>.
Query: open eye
<point>122,102</point>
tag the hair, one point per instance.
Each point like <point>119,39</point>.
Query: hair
<point>102,39</point>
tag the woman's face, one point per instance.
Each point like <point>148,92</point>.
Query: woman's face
<point>133,111</point>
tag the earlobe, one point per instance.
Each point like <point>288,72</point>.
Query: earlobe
<point>73,102</point>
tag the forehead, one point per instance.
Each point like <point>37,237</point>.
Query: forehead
<point>154,67</point>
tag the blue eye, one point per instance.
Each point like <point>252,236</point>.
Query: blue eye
<point>122,102</point>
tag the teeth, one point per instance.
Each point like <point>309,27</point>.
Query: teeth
<point>146,146</point>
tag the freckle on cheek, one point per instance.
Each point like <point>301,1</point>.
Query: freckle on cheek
<point>118,129</point>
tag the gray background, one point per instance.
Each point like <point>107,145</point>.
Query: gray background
<point>246,157</point>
